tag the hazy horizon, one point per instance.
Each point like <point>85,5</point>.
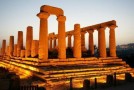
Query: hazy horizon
<point>17,15</point>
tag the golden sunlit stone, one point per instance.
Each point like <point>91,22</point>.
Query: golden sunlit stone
<point>35,61</point>
<point>3,47</point>
<point>19,43</point>
<point>11,46</point>
<point>29,38</point>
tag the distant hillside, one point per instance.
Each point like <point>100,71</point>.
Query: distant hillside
<point>125,46</point>
<point>126,52</point>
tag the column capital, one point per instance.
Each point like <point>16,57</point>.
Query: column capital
<point>90,31</point>
<point>55,37</point>
<point>61,18</point>
<point>112,26</point>
<point>43,15</point>
<point>29,27</point>
<point>83,32</point>
<point>69,35</point>
<point>51,38</point>
<point>101,28</point>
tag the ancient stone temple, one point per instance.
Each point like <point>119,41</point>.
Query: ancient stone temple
<point>48,58</point>
<point>45,12</point>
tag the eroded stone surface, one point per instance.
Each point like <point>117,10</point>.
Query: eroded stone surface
<point>29,38</point>
<point>77,41</point>
<point>11,46</point>
<point>19,43</point>
<point>34,48</point>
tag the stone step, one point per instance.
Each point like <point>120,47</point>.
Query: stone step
<point>111,60</point>
<point>22,65</point>
<point>51,64</point>
<point>85,69</point>
<point>79,75</point>
<point>47,72</point>
<point>54,63</point>
<point>87,73</point>
<point>23,73</point>
<point>93,61</point>
<point>100,78</point>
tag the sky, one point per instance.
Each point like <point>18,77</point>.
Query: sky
<point>16,15</point>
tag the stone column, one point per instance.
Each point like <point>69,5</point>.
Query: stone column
<point>112,43</point>
<point>54,42</point>
<point>0,51</point>
<point>29,38</point>
<point>69,41</point>
<point>83,48</point>
<point>43,36</point>
<point>22,53</point>
<point>91,42</point>
<point>15,50</point>
<point>11,46</point>
<point>102,42</point>
<point>77,41</point>
<point>19,43</point>
<point>4,47</point>
<point>61,37</point>
<point>50,43</point>
<point>34,48</point>
<point>7,51</point>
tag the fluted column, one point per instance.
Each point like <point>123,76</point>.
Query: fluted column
<point>102,42</point>
<point>112,43</point>
<point>43,36</point>
<point>61,37</point>
<point>69,41</point>
<point>34,48</point>
<point>15,50</point>
<point>91,42</point>
<point>3,47</point>
<point>19,43</point>
<point>29,38</point>
<point>77,41</point>
<point>83,48</point>
<point>11,46</point>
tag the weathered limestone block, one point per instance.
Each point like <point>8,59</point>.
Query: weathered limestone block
<point>34,48</point>
<point>29,38</point>
<point>77,41</point>
<point>53,10</point>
